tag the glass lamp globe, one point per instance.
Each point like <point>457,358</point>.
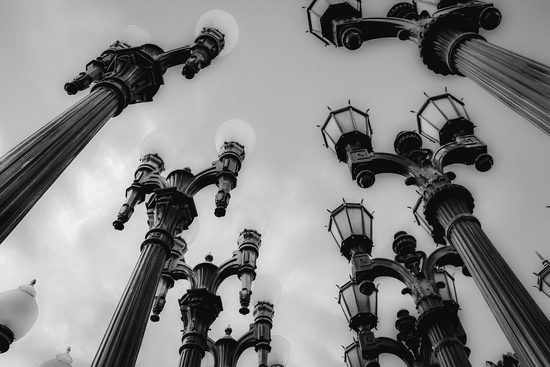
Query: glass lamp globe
<point>223,22</point>
<point>237,131</point>
<point>251,216</point>
<point>64,359</point>
<point>280,351</point>
<point>266,288</point>
<point>162,144</point>
<point>134,36</point>
<point>190,234</point>
<point>19,311</point>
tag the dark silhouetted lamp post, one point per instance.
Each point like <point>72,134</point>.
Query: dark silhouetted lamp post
<point>129,71</point>
<point>201,305</point>
<point>447,34</point>
<point>448,208</point>
<point>18,313</point>
<point>437,332</point>
<point>171,210</point>
<point>543,277</point>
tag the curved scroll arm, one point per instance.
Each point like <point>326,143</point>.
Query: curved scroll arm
<point>247,340</point>
<point>173,57</point>
<point>182,270</point>
<point>228,268</point>
<point>391,346</point>
<point>440,257</point>
<point>201,180</point>
<point>467,150</point>
<point>375,28</point>
<point>380,267</point>
<point>364,166</point>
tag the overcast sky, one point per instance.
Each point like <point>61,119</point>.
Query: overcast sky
<point>280,80</point>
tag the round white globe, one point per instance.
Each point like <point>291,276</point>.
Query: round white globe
<point>223,22</point>
<point>251,216</point>
<point>235,130</point>
<point>162,144</point>
<point>134,35</point>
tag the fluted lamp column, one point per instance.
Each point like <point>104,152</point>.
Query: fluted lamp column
<point>19,311</point>
<point>64,359</point>
<point>130,71</point>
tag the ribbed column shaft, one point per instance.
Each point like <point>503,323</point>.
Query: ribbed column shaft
<point>122,341</point>
<point>191,357</point>
<point>524,324</point>
<point>29,169</point>
<point>449,350</point>
<point>520,83</point>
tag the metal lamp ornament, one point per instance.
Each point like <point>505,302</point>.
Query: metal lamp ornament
<point>447,34</point>
<point>448,207</point>
<point>130,71</point>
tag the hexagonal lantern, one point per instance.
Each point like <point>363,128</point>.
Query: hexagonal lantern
<point>347,129</point>
<point>446,284</point>
<point>543,277</point>
<point>351,227</point>
<point>360,310</point>
<point>442,118</point>
<point>321,13</point>
<point>353,357</point>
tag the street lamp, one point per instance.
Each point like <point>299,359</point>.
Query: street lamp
<point>543,277</point>
<point>272,350</point>
<point>437,332</point>
<point>448,210</point>
<point>171,210</point>
<point>130,71</point>
<point>447,34</point>
<point>64,359</point>
<point>201,305</point>
<point>18,313</point>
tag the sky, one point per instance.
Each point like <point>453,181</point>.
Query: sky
<point>280,80</point>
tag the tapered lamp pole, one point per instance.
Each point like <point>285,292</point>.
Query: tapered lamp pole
<point>447,34</point>
<point>448,208</point>
<point>171,210</point>
<point>130,71</point>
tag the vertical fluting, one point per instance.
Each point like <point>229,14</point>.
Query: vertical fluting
<point>122,340</point>
<point>524,324</point>
<point>520,83</point>
<point>29,169</point>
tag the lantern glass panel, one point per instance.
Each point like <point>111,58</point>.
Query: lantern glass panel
<point>352,355</point>
<point>545,286</point>
<point>361,122</point>
<point>332,132</point>
<point>333,228</point>
<point>341,220</point>
<point>449,107</point>
<point>349,301</point>
<point>345,120</point>
<point>446,285</point>
<point>427,129</point>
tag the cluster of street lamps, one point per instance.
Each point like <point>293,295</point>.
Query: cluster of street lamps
<point>437,334</point>
<point>131,71</point>
<point>447,214</point>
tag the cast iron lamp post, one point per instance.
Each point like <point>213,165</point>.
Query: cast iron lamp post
<point>437,332</point>
<point>272,350</point>
<point>18,313</point>
<point>129,71</point>
<point>171,210</point>
<point>447,34</point>
<point>543,277</point>
<point>448,207</point>
<point>201,305</point>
